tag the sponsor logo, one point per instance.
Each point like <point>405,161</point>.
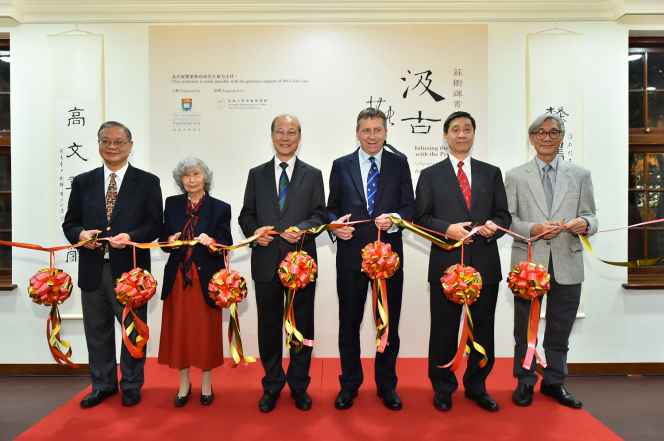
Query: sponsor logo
<point>186,104</point>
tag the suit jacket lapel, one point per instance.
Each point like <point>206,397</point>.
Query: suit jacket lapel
<point>356,174</point>
<point>269,179</point>
<point>126,188</point>
<point>535,185</point>
<point>453,181</point>
<point>98,191</point>
<point>203,216</point>
<point>563,180</point>
<point>296,180</point>
<point>385,169</point>
<point>477,180</point>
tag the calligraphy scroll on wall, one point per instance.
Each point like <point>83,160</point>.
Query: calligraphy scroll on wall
<point>554,84</point>
<point>75,103</point>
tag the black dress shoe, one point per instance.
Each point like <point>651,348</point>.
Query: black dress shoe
<point>484,400</point>
<point>96,396</point>
<point>442,401</point>
<point>345,398</point>
<point>268,401</point>
<point>206,400</point>
<point>131,397</point>
<point>390,399</point>
<point>523,395</point>
<point>561,394</point>
<point>302,399</point>
<point>181,401</point>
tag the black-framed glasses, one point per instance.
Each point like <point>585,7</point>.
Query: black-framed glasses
<point>117,144</point>
<point>540,135</point>
<point>291,133</point>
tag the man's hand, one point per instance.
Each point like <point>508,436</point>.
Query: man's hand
<point>343,233</point>
<point>576,226</point>
<point>119,245</point>
<point>292,237</point>
<point>204,239</point>
<point>173,238</point>
<point>263,240</point>
<point>89,234</point>
<point>489,229</point>
<point>458,232</point>
<point>383,222</point>
<point>541,227</point>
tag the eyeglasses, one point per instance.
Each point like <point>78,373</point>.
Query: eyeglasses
<point>117,144</point>
<point>291,134</point>
<point>540,135</point>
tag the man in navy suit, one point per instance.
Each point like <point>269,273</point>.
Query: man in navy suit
<point>123,203</point>
<point>282,193</point>
<point>370,183</point>
<point>453,195</point>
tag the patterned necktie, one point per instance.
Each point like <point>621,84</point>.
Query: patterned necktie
<point>548,187</point>
<point>283,185</point>
<point>111,196</point>
<point>465,185</point>
<point>372,184</point>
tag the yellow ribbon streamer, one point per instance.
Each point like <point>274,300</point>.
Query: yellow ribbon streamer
<point>630,264</point>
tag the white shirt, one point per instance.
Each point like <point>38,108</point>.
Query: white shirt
<point>119,176</point>
<point>365,166</point>
<point>278,170</point>
<point>465,168</point>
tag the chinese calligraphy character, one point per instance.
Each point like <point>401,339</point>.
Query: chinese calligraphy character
<point>389,114</point>
<point>560,112</point>
<point>76,117</point>
<point>379,101</point>
<point>419,128</point>
<point>71,256</point>
<point>457,72</point>
<point>74,147</point>
<point>421,81</point>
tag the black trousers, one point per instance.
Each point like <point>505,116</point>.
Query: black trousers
<point>562,304</point>
<point>352,288</point>
<point>444,340</point>
<point>100,310</point>
<point>270,300</point>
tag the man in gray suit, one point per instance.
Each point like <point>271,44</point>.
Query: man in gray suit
<point>540,194</point>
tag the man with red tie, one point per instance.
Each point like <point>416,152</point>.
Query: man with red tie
<point>452,196</point>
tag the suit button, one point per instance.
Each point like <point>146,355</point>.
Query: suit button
<point>199,268</point>
<point>108,228</point>
<point>548,242</point>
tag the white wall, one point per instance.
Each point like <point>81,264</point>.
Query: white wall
<point>620,326</point>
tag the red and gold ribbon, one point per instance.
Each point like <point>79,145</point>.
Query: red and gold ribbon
<point>133,289</point>
<point>462,285</point>
<point>227,288</point>
<point>51,287</point>
<point>379,262</point>
<point>296,271</point>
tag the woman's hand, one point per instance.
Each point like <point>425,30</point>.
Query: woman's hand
<point>173,238</point>
<point>204,240</point>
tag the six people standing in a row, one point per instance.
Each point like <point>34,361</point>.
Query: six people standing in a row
<point>123,203</point>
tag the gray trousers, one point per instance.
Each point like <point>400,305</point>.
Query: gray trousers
<point>562,304</point>
<point>100,310</point>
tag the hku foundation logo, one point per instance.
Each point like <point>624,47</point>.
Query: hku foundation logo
<point>187,104</point>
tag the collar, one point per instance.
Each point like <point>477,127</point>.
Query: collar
<point>541,164</point>
<point>290,162</point>
<point>455,161</point>
<point>364,156</point>
<point>119,174</point>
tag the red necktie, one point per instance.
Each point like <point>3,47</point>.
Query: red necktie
<point>465,185</point>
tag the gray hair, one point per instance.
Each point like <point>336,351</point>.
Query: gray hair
<point>109,124</point>
<point>188,164</point>
<point>537,123</point>
<point>274,121</point>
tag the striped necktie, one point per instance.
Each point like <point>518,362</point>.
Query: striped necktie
<point>547,185</point>
<point>111,196</point>
<point>372,185</point>
<point>283,185</point>
<point>465,185</point>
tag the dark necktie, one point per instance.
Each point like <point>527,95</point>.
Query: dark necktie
<point>372,185</point>
<point>465,185</point>
<point>283,185</point>
<point>548,186</point>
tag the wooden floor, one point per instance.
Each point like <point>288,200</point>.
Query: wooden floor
<point>628,405</point>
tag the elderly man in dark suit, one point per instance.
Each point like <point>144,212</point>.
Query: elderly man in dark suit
<point>123,203</point>
<point>370,183</point>
<point>452,196</point>
<point>541,193</point>
<point>282,193</point>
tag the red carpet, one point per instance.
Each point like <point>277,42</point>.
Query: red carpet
<point>234,413</point>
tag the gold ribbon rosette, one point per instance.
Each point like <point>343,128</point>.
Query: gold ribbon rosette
<point>134,289</point>
<point>296,271</point>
